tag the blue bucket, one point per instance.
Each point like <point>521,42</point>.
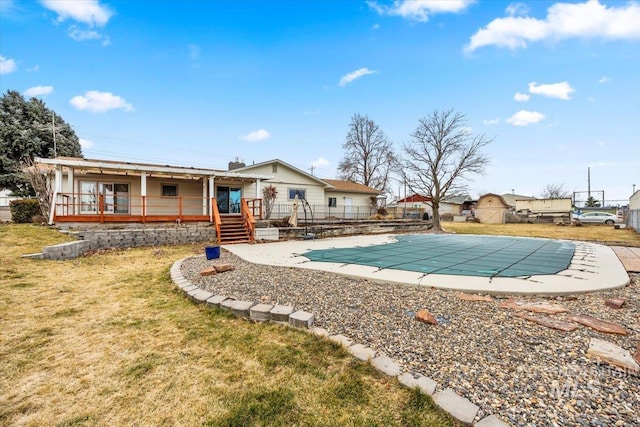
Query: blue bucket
<point>212,252</point>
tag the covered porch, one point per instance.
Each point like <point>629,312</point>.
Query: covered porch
<point>102,191</point>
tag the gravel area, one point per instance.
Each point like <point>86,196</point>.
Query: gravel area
<point>524,373</point>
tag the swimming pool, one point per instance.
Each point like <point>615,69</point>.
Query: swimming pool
<point>484,256</point>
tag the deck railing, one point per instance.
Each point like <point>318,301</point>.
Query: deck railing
<point>247,216</point>
<point>90,207</point>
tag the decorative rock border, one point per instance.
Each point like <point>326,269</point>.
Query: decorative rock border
<point>447,400</point>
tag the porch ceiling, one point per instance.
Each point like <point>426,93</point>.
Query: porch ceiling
<point>91,166</point>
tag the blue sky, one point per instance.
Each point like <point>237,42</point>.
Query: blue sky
<point>198,83</point>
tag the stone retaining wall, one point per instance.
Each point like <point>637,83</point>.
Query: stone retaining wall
<point>94,239</point>
<point>322,231</point>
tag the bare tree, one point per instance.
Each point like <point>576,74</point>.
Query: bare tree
<point>369,155</point>
<point>555,191</point>
<point>441,154</point>
<point>269,194</point>
<point>40,183</point>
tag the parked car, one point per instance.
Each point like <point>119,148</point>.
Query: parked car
<point>598,218</point>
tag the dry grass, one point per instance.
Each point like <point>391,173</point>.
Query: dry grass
<point>107,340</point>
<point>592,233</point>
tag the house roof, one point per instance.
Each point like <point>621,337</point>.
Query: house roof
<point>100,166</point>
<point>485,196</point>
<point>350,187</point>
<point>278,161</point>
<point>511,198</point>
<point>415,198</point>
<point>457,200</point>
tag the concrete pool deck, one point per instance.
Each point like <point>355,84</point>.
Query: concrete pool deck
<point>593,267</point>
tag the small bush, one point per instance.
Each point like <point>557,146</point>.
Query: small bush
<point>23,210</point>
<point>382,212</point>
<point>447,216</point>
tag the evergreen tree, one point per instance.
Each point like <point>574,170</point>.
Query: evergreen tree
<point>27,130</point>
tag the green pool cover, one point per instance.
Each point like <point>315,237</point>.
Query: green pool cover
<point>488,256</point>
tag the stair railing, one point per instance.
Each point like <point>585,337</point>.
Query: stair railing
<point>216,219</point>
<point>248,218</point>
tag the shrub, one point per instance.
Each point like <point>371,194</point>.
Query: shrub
<point>24,210</point>
<point>382,212</point>
<point>447,216</point>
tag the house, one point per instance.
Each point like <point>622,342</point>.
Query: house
<point>105,191</point>
<point>414,206</point>
<point>512,198</point>
<point>492,209</point>
<point>350,199</point>
<point>633,215</point>
<point>325,198</point>
<point>454,205</point>
<point>457,205</point>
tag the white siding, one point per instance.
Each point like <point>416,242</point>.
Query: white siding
<point>285,178</point>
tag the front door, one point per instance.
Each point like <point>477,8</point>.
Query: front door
<point>348,202</point>
<point>228,199</point>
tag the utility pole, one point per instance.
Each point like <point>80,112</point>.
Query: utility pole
<point>312,168</point>
<point>588,183</point>
<point>53,130</point>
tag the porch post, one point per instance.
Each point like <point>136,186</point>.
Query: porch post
<point>143,195</point>
<point>58,187</point>
<point>212,195</point>
<point>71,189</point>
<point>258,188</point>
<point>204,196</point>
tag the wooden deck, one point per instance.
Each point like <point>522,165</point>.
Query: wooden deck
<point>630,257</point>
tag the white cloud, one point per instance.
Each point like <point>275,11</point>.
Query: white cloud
<point>560,90</point>
<point>100,102</point>
<point>419,10</point>
<point>348,78</point>
<point>38,91</point>
<point>33,69</point>
<point>7,65</point>
<point>589,20</point>
<point>492,122</point>
<point>524,118</point>
<point>320,163</point>
<point>89,12</point>
<point>517,9</point>
<point>521,97</point>
<point>256,135</point>
<point>604,79</point>
<point>79,35</point>
<point>85,143</point>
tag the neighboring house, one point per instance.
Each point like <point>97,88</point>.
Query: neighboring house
<point>544,206</point>
<point>454,205</point>
<point>457,205</point>
<point>6,197</point>
<point>492,209</point>
<point>634,201</point>
<point>511,198</point>
<point>415,205</point>
<point>5,200</point>
<point>633,215</point>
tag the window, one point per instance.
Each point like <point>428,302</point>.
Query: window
<point>169,190</point>
<point>274,168</point>
<point>301,193</point>
<point>106,197</point>
<point>333,202</point>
